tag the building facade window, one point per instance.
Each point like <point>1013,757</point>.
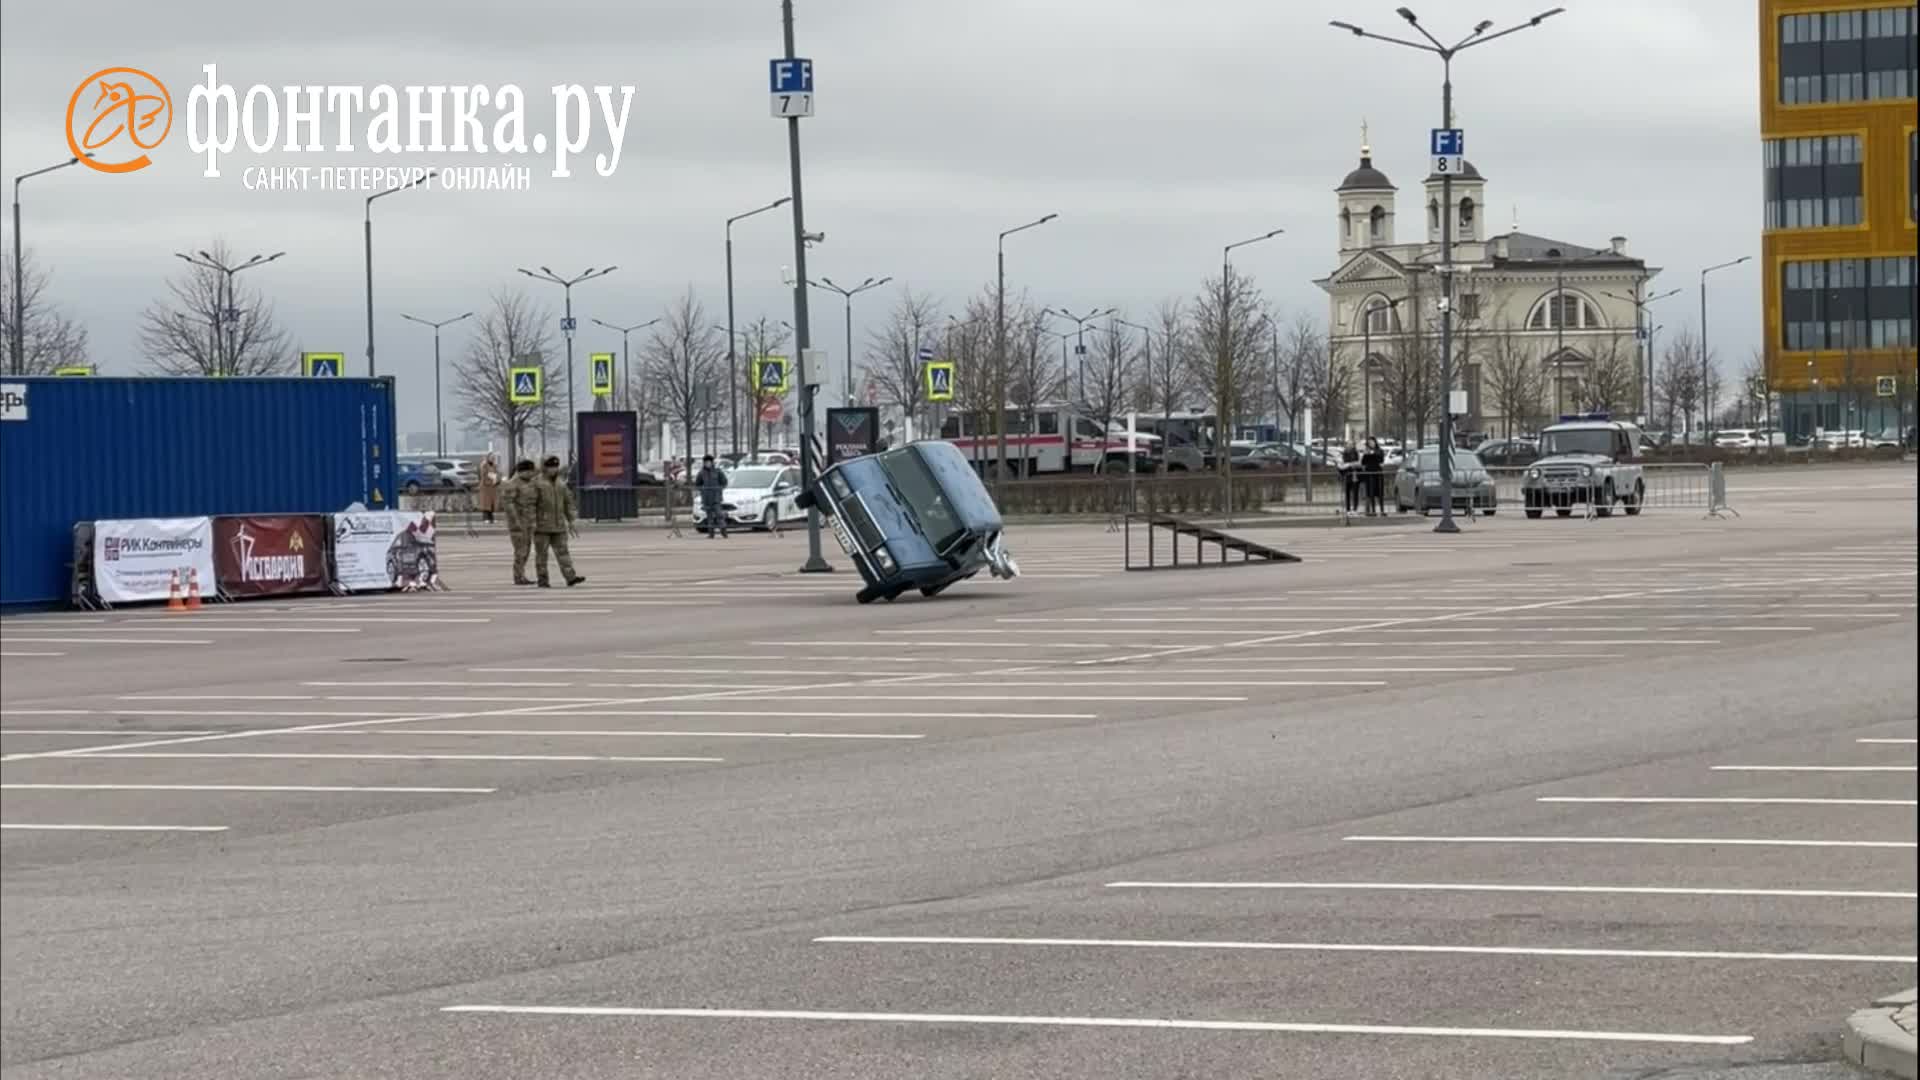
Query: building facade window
<point>1813,181</point>
<point>1470,305</point>
<point>1867,54</point>
<point>1913,176</point>
<point>1466,215</point>
<point>1377,224</point>
<point>1380,315</point>
<point>1568,311</point>
<point>1848,303</point>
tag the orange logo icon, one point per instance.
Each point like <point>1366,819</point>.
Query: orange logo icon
<point>115,116</point>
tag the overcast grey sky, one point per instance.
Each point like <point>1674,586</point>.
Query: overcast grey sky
<point>1158,131</point>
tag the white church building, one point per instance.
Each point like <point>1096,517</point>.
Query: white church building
<point>1568,308</point>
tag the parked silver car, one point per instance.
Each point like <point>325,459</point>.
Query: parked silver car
<point>1416,484</point>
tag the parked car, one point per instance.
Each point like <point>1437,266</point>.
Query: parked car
<point>1508,453</point>
<point>1593,460</point>
<point>1416,484</point>
<point>1840,440</point>
<point>458,471</point>
<point>1740,439</point>
<point>420,477</point>
<point>761,496</point>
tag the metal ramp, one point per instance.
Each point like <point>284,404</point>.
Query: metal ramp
<point>1164,553</point>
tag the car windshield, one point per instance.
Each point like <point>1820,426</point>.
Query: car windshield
<point>915,485</point>
<point>753,478</point>
<point>1578,441</point>
<point>1429,458</point>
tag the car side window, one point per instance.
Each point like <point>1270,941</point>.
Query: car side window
<point>790,477</point>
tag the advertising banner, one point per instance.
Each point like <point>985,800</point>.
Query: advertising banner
<point>852,433</point>
<point>137,559</point>
<point>609,449</point>
<point>270,556</point>
<point>378,550</point>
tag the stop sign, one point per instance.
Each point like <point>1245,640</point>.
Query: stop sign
<point>771,412</point>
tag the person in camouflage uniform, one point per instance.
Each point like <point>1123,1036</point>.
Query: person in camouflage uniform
<point>553,518</point>
<point>521,502</point>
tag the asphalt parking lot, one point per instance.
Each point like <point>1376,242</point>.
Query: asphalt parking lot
<point>1548,798</point>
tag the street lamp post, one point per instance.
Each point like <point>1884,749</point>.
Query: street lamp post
<point>429,175</point>
<point>733,362</point>
<point>224,360</point>
<point>1080,342</point>
<point>439,427</point>
<point>803,329</point>
<point>1706,386</point>
<point>1446,53</point>
<point>1223,422</point>
<point>19,343</point>
<point>1000,346</point>
<point>847,295</point>
<point>626,356</point>
<point>566,325</point>
<point>1640,327</point>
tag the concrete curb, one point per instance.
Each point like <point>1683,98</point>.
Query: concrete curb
<point>1882,1038</point>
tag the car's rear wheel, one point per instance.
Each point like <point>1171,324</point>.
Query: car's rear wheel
<point>413,487</point>
<point>1638,497</point>
<point>1604,508</point>
<point>770,519</point>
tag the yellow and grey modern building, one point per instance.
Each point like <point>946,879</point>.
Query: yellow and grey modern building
<point>1837,105</point>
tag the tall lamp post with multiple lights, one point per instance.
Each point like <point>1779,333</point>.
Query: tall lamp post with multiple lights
<point>224,359</point>
<point>626,356</point>
<point>1080,342</point>
<point>439,427</point>
<point>847,295</point>
<point>1642,333</point>
<point>566,325</point>
<point>1446,53</point>
<point>733,360</point>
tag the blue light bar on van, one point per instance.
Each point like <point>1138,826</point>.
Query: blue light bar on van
<point>1567,418</point>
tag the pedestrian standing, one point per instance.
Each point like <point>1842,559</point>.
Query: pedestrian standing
<point>1350,477</point>
<point>1373,466</point>
<point>522,504</point>
<point>487,497</point>
<point>554,518</point>
<point>712,482</point>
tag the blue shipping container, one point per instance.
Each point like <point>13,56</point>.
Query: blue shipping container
<point>84,449</point>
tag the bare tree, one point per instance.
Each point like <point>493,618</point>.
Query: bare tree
<point>1226,361</point>
<point>184,335</point>
<point>513,332</point>
<point>1331,390</point>
<point>1034,376</point>
<point>49,339</point>
<point>763,337</point>
<point>1753,388</point>
<point>1108,377</point>
<point>1612,379</point>
<point>1513,378</point>
<point>1303,367</point>
<point>1677,386</point>
<point>685,362</point>
<point>1166,373</point>
<point>893,352</point>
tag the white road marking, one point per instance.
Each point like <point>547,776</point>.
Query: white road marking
<point>805,696</point>
<point>1675,840</point>
<point>1105,1022</point>
<point>218,697</point>
<point>942,645</point>
<point>1603,890</point>
<point>1730,801</point>
<point>4,652</point>
<point>805,714</point>
<point>402,757</point>
<point>536,732</point>
<point>45,712</point>
<point>107,641</point>
<point>1894,742</point>
<point>1307,946</point>
<point>103,734</point>
<point>115,828</point>
<point>450,682</point>
<point>301,788</point>
<point>202,626</point>
<point>1813,768</point>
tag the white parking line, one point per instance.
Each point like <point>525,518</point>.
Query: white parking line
<point>107,641</point>
<point>5,652</point>
<point>102,734</point>
<point>299,788</point>
<point>203,626</point>
<point>817,714</point>
<point>1813,768</point>
<point>114,828</point>
<point>398,757</point>
<point>1730,801</point>
<point>943,645</point>
<point>1601,890</point>
<point>1893,742</point>
<point>1104,1022</point>
<point>1675,840</point>
<point>793,695</point>
<point>537,732</point>
<point>1337,947</point>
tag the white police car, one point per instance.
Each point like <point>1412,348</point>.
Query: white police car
<point>761,496</point>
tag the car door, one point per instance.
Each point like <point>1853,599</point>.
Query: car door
<point>788,485</point>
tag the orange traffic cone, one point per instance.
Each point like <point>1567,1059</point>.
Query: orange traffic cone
<point>193,590</point>
<point>173,594</point>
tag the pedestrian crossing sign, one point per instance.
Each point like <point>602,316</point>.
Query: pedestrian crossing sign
<point>322,365</point>
<point>939,380</point>
<point>523,385</point>
<point>770,374</point>
<point>600,374</point>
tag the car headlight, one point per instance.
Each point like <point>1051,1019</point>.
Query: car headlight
<point>884,559</point>
<point>1533,474</point>
<point>1586,470</point>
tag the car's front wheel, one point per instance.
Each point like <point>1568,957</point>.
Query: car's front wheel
<point>1638,497</point>
<point>770,519</point>
<point>1604,508</point>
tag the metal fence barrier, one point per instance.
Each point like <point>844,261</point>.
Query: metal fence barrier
<point>1680,486</point>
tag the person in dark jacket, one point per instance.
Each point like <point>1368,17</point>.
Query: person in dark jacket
<point>1373,466</point>
<point>1350,477</point>
<point>553,519</point>
<point>712,484</point>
